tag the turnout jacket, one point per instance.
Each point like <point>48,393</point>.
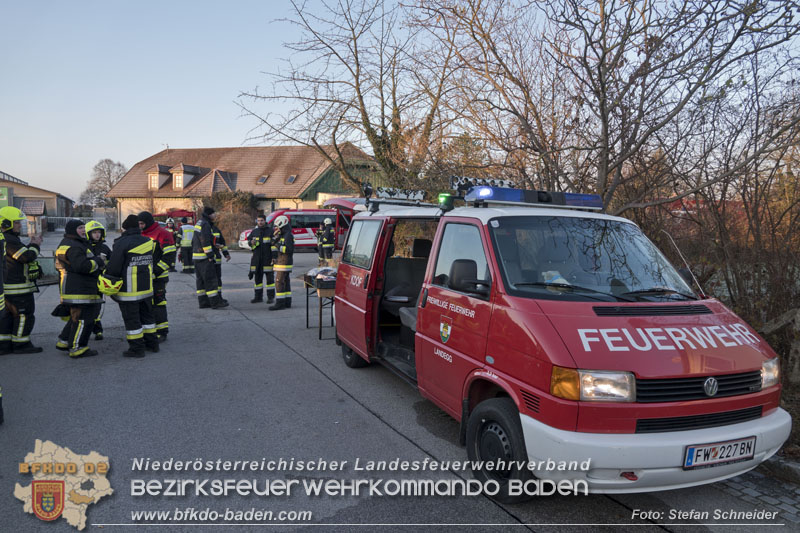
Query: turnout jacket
<point>327,237</point>
<point>283,249</point>
<point>100,247</point>
<point>219,239</point>
<point>17,260</point>
<point>133,260</point>
<point>203,248</point>
<point>260,241</point>
<point>166,242</point>
<point>79,269</point>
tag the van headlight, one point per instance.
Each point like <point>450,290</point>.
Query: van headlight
<point>603,386</point>
<point>770,373</point>
<point>592,385</point>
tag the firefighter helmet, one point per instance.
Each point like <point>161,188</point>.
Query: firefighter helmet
<point>328,221</point>
<point>93,225</point>
<point>8,215</point>
<point>108,286</point>
<point>281,221</point>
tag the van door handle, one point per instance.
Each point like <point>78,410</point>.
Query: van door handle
<point>366,281</point>
<point>424,297</point>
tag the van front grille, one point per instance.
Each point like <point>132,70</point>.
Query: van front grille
<point>685,423</point>
<point>683,389</point>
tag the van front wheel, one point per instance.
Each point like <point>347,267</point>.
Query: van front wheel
<point>494,434</point>
<point>351,358</point>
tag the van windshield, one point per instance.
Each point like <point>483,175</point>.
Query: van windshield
<point>571,258</point>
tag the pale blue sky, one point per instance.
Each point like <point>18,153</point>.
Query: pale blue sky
<point>85,80</point>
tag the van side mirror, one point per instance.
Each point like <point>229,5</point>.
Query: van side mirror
<point>464,278</point>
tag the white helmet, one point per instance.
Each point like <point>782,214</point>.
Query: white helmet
<point>281,221</point>
<point>328,221</point>
<point>170,220</point>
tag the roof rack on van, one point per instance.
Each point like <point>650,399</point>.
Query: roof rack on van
<point>483,196</point>
<point>375,204</point>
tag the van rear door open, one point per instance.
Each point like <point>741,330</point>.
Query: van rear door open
<point>355,301</point>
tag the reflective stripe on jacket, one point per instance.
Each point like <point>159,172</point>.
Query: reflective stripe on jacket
<point>187,233</point>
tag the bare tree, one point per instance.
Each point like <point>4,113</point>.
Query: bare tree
<point>358,76</point>
<point>105,174</point>
<point>596,89</point>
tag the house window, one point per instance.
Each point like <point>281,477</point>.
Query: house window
<point>292,178</point>
<point>263,179</point>
<point>179,181</point>
<point>154,181</point>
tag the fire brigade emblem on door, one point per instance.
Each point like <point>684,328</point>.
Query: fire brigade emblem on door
<point>445,327</point>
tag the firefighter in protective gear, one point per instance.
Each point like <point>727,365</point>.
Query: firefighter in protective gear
<point>79,269</point>
<point>222,249</point>
<point>135,262</point>
<point>21,270</point>
<point>185,255</point>
<point>325,242</point>
<point>166,241</point>
<point>96,233</point>
<point>282,255</point>
<point>204,255</point>
<point>260,241</point>
<point>175,232</point>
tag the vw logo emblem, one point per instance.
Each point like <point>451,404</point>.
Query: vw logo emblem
<point>711,386</point>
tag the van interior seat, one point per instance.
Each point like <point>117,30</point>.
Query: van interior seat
<point>403,278</point>
<point>408,317</point>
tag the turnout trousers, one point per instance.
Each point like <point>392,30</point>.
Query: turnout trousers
<point>98,326</point>
<point>218,272</point>
<point>188,263</point>
<point>206,282</point>
<point>160,306</point>
<point>76,332</point>
<point>264,278</point>
<point>140,326</point>
<point>16,322</point>
<point>283,289</point>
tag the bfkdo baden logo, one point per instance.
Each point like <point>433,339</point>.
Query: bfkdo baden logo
<point>65,483</point>
<point>48,499</point>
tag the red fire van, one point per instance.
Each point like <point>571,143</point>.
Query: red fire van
<point>558,333</point>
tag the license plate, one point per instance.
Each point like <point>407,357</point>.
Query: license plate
<point>719,453</point>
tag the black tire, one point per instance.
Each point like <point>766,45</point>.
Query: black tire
<point>351,358</point>
<point>494,432</point>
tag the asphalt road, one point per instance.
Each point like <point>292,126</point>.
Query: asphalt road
<point>245,384</point>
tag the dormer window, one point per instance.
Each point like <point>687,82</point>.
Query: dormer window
<point>263,179</point>
<point>153,179</point>
<point>292,178</point>
<point>178,181</point>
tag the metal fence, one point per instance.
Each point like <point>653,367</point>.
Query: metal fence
<point>57,223</point>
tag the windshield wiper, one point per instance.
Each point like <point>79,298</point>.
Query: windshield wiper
<point>660,290</point>
<point>572,287</point>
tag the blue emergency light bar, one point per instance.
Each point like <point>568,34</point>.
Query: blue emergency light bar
<point>502,195</point>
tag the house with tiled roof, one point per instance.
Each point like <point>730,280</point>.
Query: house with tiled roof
<point>36,203</point>
<point>278,176</point>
